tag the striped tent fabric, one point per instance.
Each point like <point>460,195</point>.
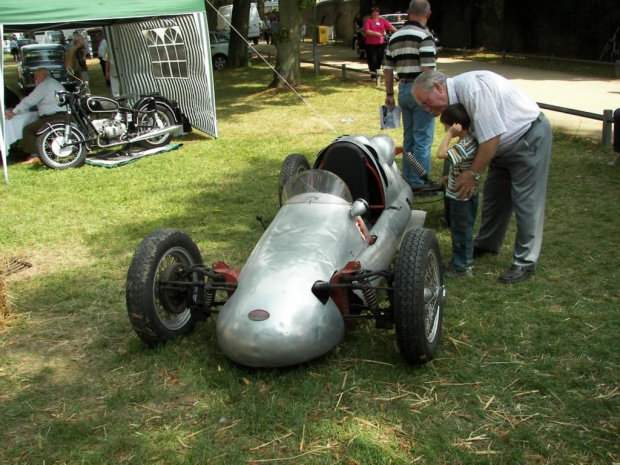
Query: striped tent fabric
<point>169,55</point>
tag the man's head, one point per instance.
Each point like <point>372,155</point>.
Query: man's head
<point>430,91</point>
<point>40,75</point>
<point>374,12</point>
<point>419,10</point>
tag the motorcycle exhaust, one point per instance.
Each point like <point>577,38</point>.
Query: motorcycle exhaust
<point>157,133</point>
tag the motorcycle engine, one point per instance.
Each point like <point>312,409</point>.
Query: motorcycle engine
<point>109,129</point>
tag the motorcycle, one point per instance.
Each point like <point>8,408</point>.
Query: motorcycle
<point>93,123</point>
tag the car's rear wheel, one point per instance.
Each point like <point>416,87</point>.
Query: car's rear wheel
<point>219,62</point>
<point>419,296</point>
<point>161,288</point>
<point>293,164</point>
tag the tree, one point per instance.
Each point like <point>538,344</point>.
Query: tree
<point>238,48</point>
<point>288,44</point>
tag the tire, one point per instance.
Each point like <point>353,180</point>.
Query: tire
<point>293,164</point>
<point>51,150</point>
<point>146,120</point>
<point>219,62</point>
<point>418,319</point>
<point>156,314</point>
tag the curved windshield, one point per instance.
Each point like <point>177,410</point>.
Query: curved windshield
<point>317,186</point>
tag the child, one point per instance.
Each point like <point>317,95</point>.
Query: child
<point>462,211</point>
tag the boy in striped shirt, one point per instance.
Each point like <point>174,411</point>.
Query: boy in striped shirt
<point>462,211</point>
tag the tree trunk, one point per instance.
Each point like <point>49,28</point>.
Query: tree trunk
<point>288,45</point>
<point>238,48</point>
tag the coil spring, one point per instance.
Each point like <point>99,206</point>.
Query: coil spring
<point>371,298</point>
<point>415,165</point>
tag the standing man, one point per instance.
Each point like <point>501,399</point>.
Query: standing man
<point>515,144</point>
<point>14,48</point>
<point>411,51</point>
<point>44,98</point>
<point>375,29</point>
<point>101,49</point>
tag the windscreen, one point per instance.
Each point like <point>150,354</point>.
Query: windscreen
<point>318,186</point>
<point>40,56</point>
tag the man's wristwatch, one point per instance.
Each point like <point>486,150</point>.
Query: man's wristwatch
<point>474,175</point>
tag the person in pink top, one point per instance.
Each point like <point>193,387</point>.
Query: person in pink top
<point>375,29</point>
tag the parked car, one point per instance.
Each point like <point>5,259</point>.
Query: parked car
<point>220,41</point>
<point>219,49</point>
<point>35,56</point>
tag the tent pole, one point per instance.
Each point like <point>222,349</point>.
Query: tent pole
<point>2,143</point>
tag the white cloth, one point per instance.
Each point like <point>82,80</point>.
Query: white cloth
<point>14,127</point>
<point>43,97</point>
<point>103,46</point>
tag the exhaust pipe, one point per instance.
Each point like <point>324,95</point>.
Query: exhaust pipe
<point>159,132</point>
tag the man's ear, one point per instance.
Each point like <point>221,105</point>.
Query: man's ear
<point>438,87</point>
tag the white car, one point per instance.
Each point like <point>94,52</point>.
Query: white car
<point>220,40</point>
<point>219,49</point>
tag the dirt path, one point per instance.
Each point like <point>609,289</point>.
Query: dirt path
<point>572,91</point>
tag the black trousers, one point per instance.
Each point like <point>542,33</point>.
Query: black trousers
<point>102,63</point>
<point>375,55</point>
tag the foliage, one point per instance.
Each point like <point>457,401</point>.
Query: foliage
<point>525,373</point>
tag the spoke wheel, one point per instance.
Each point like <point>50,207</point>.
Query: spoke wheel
<point>419,296</point>
<point>59,151</point>
<point>159,293</point>
<point>148,122</point>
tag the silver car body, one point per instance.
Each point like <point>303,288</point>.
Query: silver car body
<point>273,318</point>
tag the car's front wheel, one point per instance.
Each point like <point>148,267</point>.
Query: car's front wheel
<point>161,287</point>
<point>419,296</point>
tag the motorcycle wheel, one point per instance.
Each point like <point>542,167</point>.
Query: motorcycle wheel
<point>53,151</point>
<point>419,296</point>
<point>158,312</point>
<point>147,120</point>
<point>293,164</point>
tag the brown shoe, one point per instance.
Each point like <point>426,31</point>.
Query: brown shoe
<point>30,161</point>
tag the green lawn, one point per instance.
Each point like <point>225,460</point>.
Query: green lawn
<point>525,373</point>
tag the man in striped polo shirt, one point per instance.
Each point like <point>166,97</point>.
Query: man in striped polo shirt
<point>410,52</point>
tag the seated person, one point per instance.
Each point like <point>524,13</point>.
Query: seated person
<point>44,98</point>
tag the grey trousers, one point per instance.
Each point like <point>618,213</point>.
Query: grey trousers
<point>517,182</point>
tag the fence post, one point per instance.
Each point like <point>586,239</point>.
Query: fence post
<point>607,125</point>
<point>344,70</point>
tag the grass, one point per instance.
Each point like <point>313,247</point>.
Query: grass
<point>525,373</point>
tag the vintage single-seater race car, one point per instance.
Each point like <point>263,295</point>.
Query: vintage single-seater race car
<point>344,246</point>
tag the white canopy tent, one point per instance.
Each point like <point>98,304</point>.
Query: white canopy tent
<point>157,46</point>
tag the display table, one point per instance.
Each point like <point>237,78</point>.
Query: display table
<point>14,127</point>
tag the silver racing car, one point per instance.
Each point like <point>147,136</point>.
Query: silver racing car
<point>345,246</point>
